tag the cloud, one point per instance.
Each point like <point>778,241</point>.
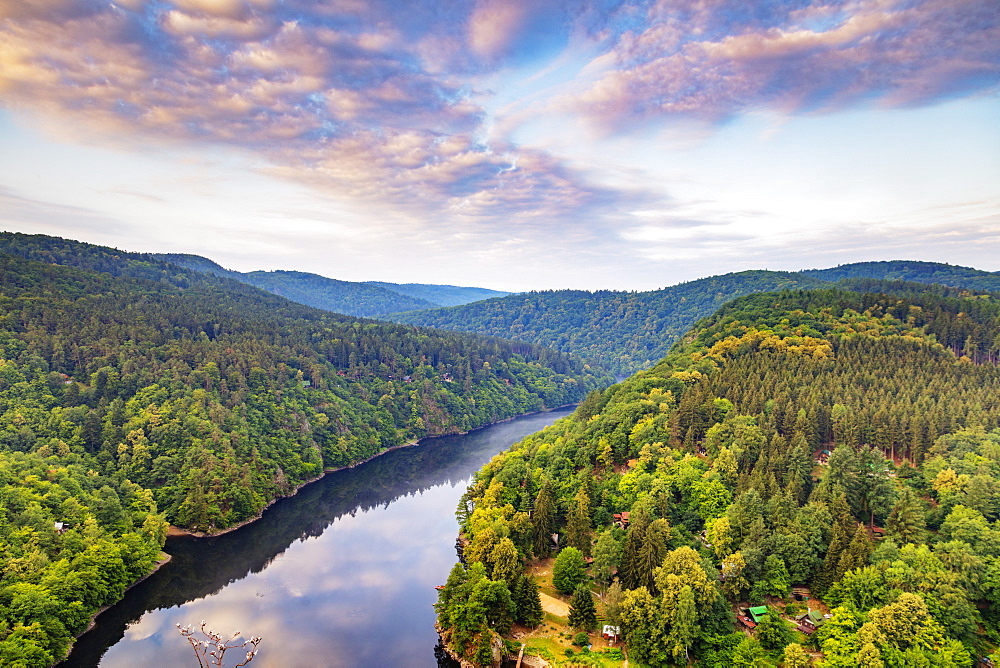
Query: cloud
<point>715,59</point>
<point>388,108</point>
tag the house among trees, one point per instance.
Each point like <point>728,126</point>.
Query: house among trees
<point>621,519</point>
<point>809,621</point>
<point>758,613</point>
<point>610,633</point>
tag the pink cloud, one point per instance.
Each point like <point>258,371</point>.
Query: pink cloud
<point>828,57</point>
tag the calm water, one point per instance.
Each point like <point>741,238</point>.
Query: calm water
<point>342,574</point>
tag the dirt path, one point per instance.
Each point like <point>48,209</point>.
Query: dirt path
<point>554,605</point>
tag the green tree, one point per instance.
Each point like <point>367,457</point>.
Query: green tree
<point>773,632</point>
<point>683,625</point>
<point>607,552</point>
<point>749,654</point>
<point>776,579</point>
<point>569,570</point>
<point>505,562</point>
<point>543,520</point>
<point>582,612</point>
<point>527,602</point>
<point>907,520</point>
<point>795,656</point>
<point>578,524</point>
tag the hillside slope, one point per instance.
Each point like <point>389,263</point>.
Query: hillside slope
<point>362,299</point>
<point>909,270</point>
<point>441,295</point>
<point>717,455</point>
<point>135,392</point>
<point>623,331</point>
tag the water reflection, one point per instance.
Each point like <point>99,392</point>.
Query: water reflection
<point>342,574</point>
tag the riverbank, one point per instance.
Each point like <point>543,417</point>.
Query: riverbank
<point>180,531</point>
<point>346,567</point>
<point>157,565</point>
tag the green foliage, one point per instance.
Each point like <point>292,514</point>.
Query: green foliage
<point>582,612</point>
<point>527,602</point>
<point>621,331</point>
<point>470,609</point>
<point>350,298</point>
<point>712,454</point>
<point>130,386</point>
<point>68,546</point>
<point>220,397</point>
<point>366,299</point>
<point>568,570</point>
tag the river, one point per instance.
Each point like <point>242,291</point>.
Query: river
<point>341,574</point>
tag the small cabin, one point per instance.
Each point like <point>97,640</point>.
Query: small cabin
<point>610,633</point>
<point>808,622</point>
<point>621,519</point>
<point>758,613</point>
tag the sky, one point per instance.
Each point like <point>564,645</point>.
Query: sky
<point>515,144</point>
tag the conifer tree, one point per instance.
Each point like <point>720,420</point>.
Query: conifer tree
<point>629,565</point>
<point>907,521</point>
<point>582,612</point>
<point>527,602</point>
<point>651,554</point>
<point>543,520</point>
<point>578,523</point>
<point>840,539</point>
<point>857,552</point>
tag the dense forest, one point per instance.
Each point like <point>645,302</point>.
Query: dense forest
<point>623,331</point>
<point>916,272</point>
<point>367,299</point>
<point>134,392</point>
<point>629,331</point>
<point>441,295</point>
<point>808,478</point>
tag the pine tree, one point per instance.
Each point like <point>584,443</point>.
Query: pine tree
<point>543,520</point>
<point>907,521</point>
<point>527,602</point>
<point>857,553</point>
<point>578,532</point>
<point>651,554</point>
<point>840,539</point>
<point>582,612</point>
<point>628,567</point>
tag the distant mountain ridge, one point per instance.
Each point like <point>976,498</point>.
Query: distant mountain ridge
<point>363,299</point>
<point>911,270</point>
<point>441,295</point>
<point>629,331</point>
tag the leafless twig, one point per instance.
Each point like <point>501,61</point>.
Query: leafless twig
<point>212,648</point>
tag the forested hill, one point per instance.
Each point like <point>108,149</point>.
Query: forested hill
<point>365,299</point>
<point>624,331</point>
<point>629,331</point>
<point>441,295</point>
<point>359,299</point>
<point>918,272</point>
<point>720,455</point>
<point>133,391</point>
